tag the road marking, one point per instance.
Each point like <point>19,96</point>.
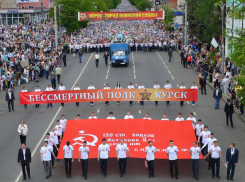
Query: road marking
<point>139,111</point>
<point>169,72</point>
<point>172,77</point>
<point>188,102</point>
<point>177,85</point>
<point>98,110</point>
<point>133,62</point>
<point>134,66</point>
<point>107,72</point>
<point>134,71</point>
<point>106,76</point>
<point>49,126</point>
<point>135,76</point>
<point>194,113</point>
<point>166,67</point>
<point>136,85</point>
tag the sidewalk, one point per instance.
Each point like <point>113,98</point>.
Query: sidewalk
<point>224,97</point>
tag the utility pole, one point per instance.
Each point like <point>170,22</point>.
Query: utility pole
<point>55,26</point>
<point>60,5</point>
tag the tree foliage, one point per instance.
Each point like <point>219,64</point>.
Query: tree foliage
<point>141,5</point>
<point>169,17</point>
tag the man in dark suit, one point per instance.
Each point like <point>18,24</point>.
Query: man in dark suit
<point>182,55</point>
<point>229,110</point>
<point>106,55</point>
<point>203,84</point>
<point>64,59</point>
<point>232,155</point>
<point>185,60</point>
<point>10,99</point>
<point>217,95</point>
<point>24,158</point>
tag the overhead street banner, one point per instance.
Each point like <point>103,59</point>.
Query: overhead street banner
<point>135,134</point>
<point>134,15</point>
<point>101,95</point>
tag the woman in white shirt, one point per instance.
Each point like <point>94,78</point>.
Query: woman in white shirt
<point>118,86</point>
<point>106,87</point>
<point>22,130</point>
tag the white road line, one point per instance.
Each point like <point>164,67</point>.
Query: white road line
<point>106,76</point>
<point>169,72</point>
<point>134,71</point>
<point>134,66</point>
<point>98,110</point>
<point>107,71</point>
<point>133,62</point>
<point>135,76</point>
<point>194,113</point>
<point>166,67</point>
<point>188,102</point>
<point>172,77</point>
<point>49,126</point>
<point>139,111</point>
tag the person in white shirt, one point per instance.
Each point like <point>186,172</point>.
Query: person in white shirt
<point>107,87</point>
<point>141,86</point>
<point>62,87</point>
<point>45,155</point>
<point>97,59</point>
<point>52,144</point>
<point>195,153</point>
<point>179,118</point>
<point>24,90</point>
<point>130,87</point>
<point>210,143</point>
<point>83,156</point>
<point>92,116</point>
<point>150,158</point>
<point>205,135</point>
<point>91,87</point>
<point>165,117</point>
<point>103,155</point>
<point>193,120</point>
<point>121,151</point>
<point>118,86</point>
<point>182,87</point>
<point>68,156</point>
<point>60,130</point>
<point>22,130</point>
<point>78,117</point>
<point>172,152</point>
<point>63,122</point>
<point>49,88</point>
<point>199,128</point>
<point>110,116</point>
<point>54,135</point>
<point>167,86</point>
<point>76,88</point>
<point>194,87</point>
<point>37,90</point>
<point>216,158</point>
<point>128,116</point>
<point>157,87</point>
<point>147,116</point>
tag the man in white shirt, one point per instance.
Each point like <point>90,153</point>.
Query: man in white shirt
<point>24,90</point>
<point>52,144</point>
<point>92,116</point>
<point>45,155</point>
<point>216,158</point>
<point>150,158</point>
<point>63,122</point>
<point>193,120</point>
<point>97,59</point>
<point>210,143</point>
<point>83,155</point>
<point>60,130</point>
<point>76,88</point>
<point>165,117</point>
<point>194,87</point>
<point>182,87</point>
<point>195,153</point>
<point>121,152</point>
<point>128,116</point>
<point>91,87</point>
<point>68,156</point>
<point>141,86</point>
<point>167,86</point>
<point>147,116</point>
<point>199,128</point>
<point>49,88</point>
<point>179,118</point>
<point>157,87</point>
<point>131,87</point>
<point>62,87</point>
<point>110,116</point>
<point>78,117</point>
<point>37,90</point>
<point>205,135</point>
<point>103,155</point>
<point>54,135</point>
<point>172,152</point>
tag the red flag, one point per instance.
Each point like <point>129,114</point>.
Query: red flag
<point>103,41</point>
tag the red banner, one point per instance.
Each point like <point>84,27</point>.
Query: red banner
<point>101,95</point>
<point>134,15</point>
<point>136,133</point>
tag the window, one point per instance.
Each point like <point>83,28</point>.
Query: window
<point>41,4</point>
<point>30,7</point>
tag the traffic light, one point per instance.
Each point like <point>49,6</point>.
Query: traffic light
<point>157,2</point>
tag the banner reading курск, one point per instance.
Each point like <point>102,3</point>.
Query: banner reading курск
<point>101,95</point>
<point>135,15</point>
<point>135,132</point>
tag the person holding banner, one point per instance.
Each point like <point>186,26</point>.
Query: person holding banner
<point>37,90</point>
<point>91,87</point>
<point>172,152</point>
<point>121,151</point>
<point>49,88</point>
<point>147,116</point>
<point>157,86</point>
<point>76,88</point>
<point>107,87</point>
<point>83,156</point>
<point>182,87</point>
<point>167,86</point>
<point>141,86</point>
<point>165,117</point>
<point>103,155</point>
<point>110,116</point>
<point>150,158</point>
<point>118,86</point>
<point>179,118</point>
<point>195,153</point>
<point>131,87</point>
<point>68,156</point>
<point>92,116</point>
<point>62,87</point>
<point>128,116</point>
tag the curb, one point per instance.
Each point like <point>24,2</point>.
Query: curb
<point>223,97</point>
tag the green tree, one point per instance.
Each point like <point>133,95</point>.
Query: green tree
<point>169,17</point>
<point>143,5</point>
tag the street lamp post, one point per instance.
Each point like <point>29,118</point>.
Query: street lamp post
<point>184,6</point>
<point>60,5</point>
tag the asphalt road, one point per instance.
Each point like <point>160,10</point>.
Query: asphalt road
<point>146,67</point>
